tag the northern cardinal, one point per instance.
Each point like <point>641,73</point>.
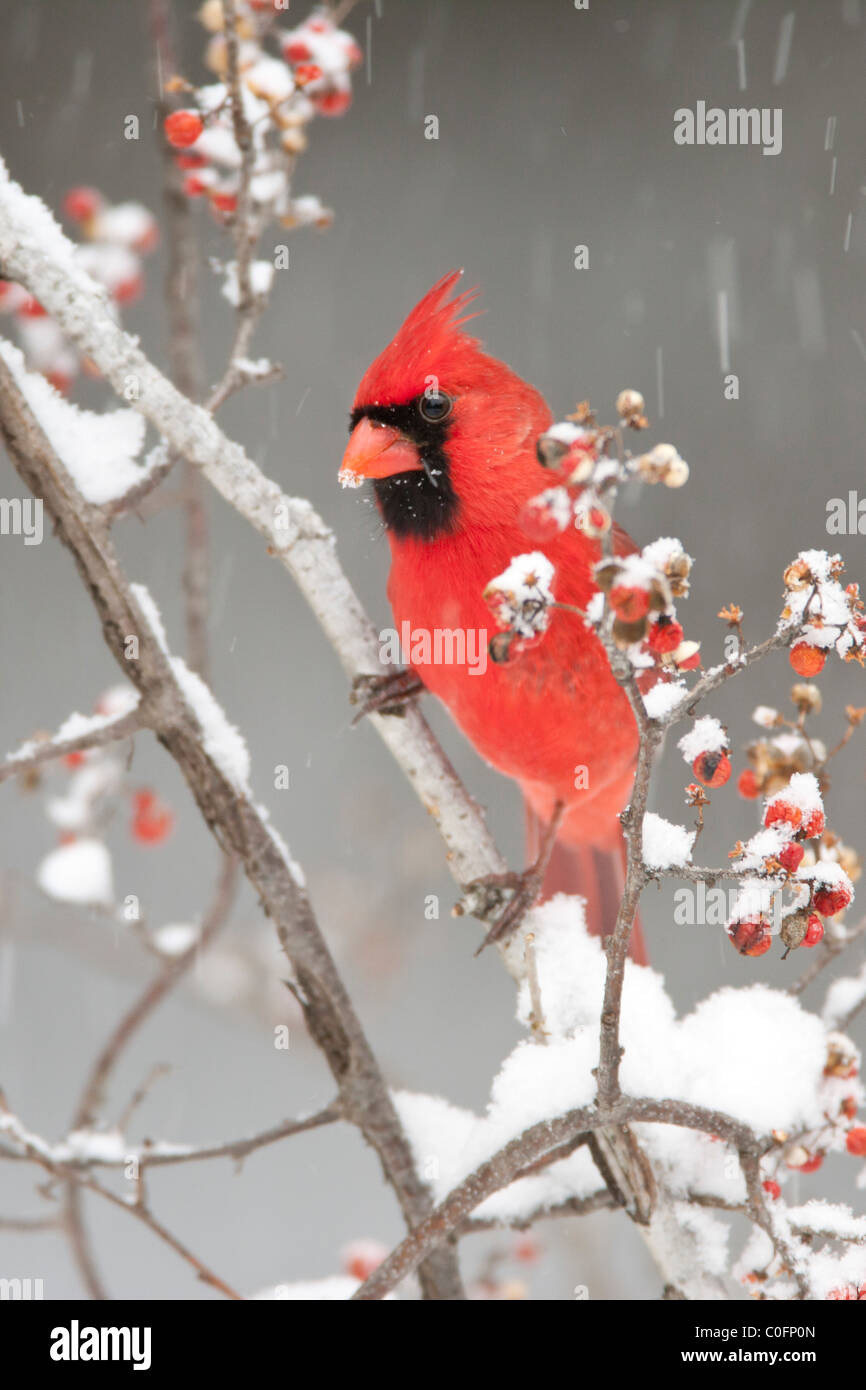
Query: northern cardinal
<point>447,436</point>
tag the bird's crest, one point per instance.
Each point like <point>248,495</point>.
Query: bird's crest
<point>429,343</point>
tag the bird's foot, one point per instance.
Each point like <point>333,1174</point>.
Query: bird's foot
<point>501,899</point>
<point>504,899</point>
<point>389,694</point>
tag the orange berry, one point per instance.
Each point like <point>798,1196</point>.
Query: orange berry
<point>807,660</point>
<point>182,128</point>
<point>629,602</point>
<point>713,769</point>
<point>855,1141</point>
<point>748,784</point>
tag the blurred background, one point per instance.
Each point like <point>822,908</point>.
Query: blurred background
<point>555,129</point>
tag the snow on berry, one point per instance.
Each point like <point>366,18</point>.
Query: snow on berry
<point>665,846</point>
<point>791,856</point>
<point>520,597</point>
<point>827,615</point>
<point>798,805</point>
<point>706,735</point>
<point>547,514</point>
<point>832,889</point>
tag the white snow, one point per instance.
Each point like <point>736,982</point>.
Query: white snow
<point>75,726</point>
<point>706,735</point>
<point>175,938</point>
<point>664,697</point>
<point>766,716</point>
<point>98,451</point>
<point>801,791</point>
<point>665,846</point>
<point>220,739</point>
<point>79,872</point>
<point>521,594</point>
<point>261,279</point>
<point>843,996</point>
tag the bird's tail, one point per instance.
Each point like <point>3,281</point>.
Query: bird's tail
<point>597,875</point>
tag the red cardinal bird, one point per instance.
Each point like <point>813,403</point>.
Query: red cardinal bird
<point>447,435</point>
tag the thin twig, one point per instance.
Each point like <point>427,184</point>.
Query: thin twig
<point>50,750</point>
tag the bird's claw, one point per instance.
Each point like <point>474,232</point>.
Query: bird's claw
<point>388,694</point>
<point>501,899</point>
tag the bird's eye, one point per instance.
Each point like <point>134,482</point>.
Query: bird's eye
<point>435,406</point>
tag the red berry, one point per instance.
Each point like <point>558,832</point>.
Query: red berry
<point>782,812</point>
<point>629,602</point>
<point>153,826</point>
<point>772,1189</point>
<point>829,901</point>
<point>814,931</point>
<point>182,128</point>
<point>848,1107</point>
<point>82,203</point>
<point>689,663</point>
<point>664,636</point>
<point>190,161</point>
<point>224,202</point>
<point>812,1164</point>
<point>305,73</point>
<point>31,309</point>
<point>61,382</point>
<point>74,759</point>
<point>296,51</point>
<point>855,1141</point>
<point>128,290</point>
<point>713,769</point>
<point>538,520</point>
<point>333,103</point>
<point>354,56</point>
<point>807,660</point>
<point>748,784</point>
<point>750,938</point>
<point>526,1249</point>
<point>791,856</point>
<point>193,186</point>
<point>813,824</point>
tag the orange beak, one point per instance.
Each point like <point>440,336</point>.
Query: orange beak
<point>377,451</point>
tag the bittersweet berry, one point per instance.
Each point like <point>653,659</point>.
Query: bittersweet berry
<point>807,660</point>
<point>791,856</point>
<point>713,769</point>
<point>748,785</point>
<point>855,1141</point>
<point>182,128</point>
<point>829,901</point>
